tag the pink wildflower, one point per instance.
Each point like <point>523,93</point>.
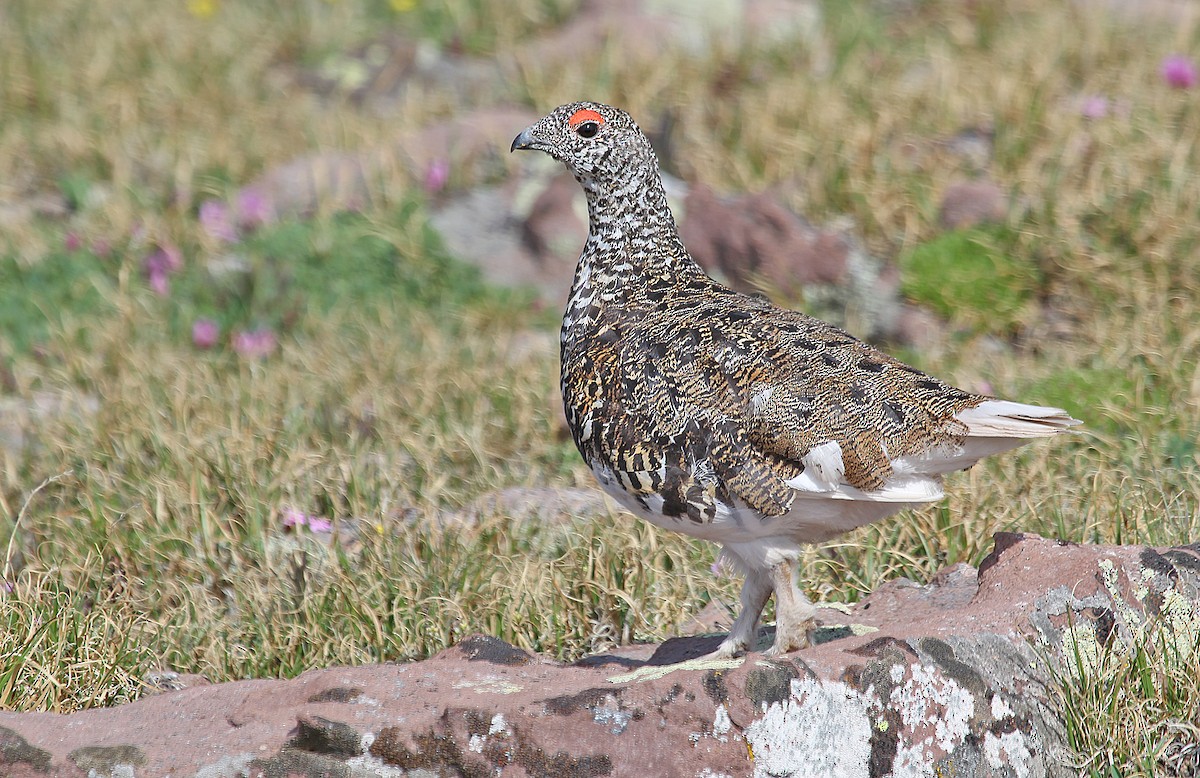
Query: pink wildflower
<point>436,176</point>
<point>254,344</point>
<point>253,208</point>
<point>101,248</point>
<point>292,519</point>
<point>1094,107</point>
<point>1179,72</point>
<point>160,283</point>
<point>205,333</point>
<point>215,219</point>
<point>159,265</point>
<point>72,242</point>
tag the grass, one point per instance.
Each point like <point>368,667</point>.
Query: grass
<point>1130,705</point>
<point>974,279</point>
<point>401,388</point>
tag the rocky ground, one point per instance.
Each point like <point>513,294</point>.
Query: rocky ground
<point>952,678</point>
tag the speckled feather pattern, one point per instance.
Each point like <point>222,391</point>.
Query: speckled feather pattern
<point>685,389</point>
<point>723,416</point>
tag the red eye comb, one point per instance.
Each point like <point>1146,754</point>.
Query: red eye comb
<point>584,115</point>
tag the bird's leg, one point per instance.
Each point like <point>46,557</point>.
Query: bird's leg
<point>755,592</point>
<point>795,616</point>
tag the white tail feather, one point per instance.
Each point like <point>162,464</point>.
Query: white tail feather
<point>1006,419</point>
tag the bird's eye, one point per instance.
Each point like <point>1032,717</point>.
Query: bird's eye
<point>588,129</point>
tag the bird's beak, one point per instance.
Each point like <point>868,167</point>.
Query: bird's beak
<point>523,141</point>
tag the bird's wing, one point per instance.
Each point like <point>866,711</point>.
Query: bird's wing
<point>864,425</point>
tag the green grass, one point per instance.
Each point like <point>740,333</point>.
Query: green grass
<point>974,279</point>
<point>403,388</point>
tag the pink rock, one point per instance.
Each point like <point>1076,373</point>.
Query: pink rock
<point>972,203</point>
<point>753,239</point>
<point>933,674</point>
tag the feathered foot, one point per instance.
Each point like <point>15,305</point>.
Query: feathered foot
<point>755,592</point>
<point>795,616</point>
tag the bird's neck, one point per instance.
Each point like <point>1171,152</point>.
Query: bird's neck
<point>631,211</point>
<point>632,245</point>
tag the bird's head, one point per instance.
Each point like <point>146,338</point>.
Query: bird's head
<point>600,144</point>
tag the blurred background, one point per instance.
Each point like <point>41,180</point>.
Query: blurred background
<point>278,311</point>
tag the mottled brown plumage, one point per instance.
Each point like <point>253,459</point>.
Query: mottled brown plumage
<point>723,416</point>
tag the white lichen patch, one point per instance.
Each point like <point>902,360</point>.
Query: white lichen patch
<point>721,724</point>
<point>661,671</point>
<point>498,726</point>
<point>1000,708</point>
<point>823,730</point>
<point>1009,750</point>
<point>609,714</point>
<point>362,766</point>
<point>936,711</point>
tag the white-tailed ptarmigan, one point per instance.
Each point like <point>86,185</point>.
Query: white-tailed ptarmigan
<point>720,415</point>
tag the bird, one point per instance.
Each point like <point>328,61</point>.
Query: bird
<point>723,416</point>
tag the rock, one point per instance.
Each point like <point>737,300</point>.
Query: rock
<point>970,150</point>
<point>480,228</point>
<point>15,750</point>
<point>972,203</point>
<point>30,206</point>
<point>914,680</point>
<point>349,181</point>
<point>530,232</point>
<point>756,244</point>
<point>21,417</point>
<point>642,31</point>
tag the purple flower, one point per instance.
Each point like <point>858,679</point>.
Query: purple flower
<point>436,176</point>
<point>1179,72</point>
<point>1094,107</point>
<point>101,248</point>
<point>293,519</point>
<point>165,257</point>
<point>254,208</point>
<point>159,265</point>
<point>254,344</point>
<point>72,242</point>
<point>216,221</point>
<point>205,333</point>
<point>159,282</point>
